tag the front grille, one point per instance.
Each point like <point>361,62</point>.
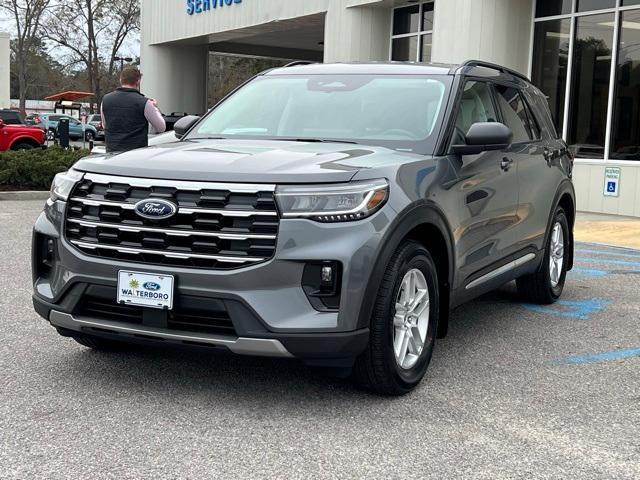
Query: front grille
<point>217,226</point>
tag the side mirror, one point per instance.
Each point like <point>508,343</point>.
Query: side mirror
<point>183,125</point>
<point>484,137</point>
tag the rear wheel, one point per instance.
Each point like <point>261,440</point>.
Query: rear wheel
<point>22,146</point>
<point>101,344</point>
<point>404,324</point>
<point>545,286</point>
<point>89,136</point>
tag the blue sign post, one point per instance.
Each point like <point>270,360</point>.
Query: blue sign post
<point>201,6</point>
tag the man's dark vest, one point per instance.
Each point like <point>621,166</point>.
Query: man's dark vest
<point>126,126</point>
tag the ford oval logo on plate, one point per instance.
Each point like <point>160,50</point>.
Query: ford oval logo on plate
<point>151,286</point>
<point>155,209</point>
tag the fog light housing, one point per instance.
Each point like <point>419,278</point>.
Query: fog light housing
<point>321,284</point>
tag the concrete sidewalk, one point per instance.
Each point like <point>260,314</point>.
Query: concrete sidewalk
<point>608,229</point>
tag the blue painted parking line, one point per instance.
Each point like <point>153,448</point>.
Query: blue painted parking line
<point>576,309</point>
<point>606,252</point>
<point>608,261</point>
<point>599,357</point>
<point>590,272</point>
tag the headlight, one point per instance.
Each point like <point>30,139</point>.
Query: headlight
<point>332,203</point>
<point>63,183</point>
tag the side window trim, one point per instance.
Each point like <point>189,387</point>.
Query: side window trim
<point>533,121</point>
<point>501,112</point>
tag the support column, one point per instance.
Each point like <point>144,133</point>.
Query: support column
<point>497,31</point>
<point>356,33</point>
<point>175,76</point>
<point>5,78</point>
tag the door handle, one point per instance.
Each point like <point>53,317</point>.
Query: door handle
<point>506,164</point>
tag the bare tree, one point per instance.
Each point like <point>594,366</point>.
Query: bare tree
<point>27,16</point>
<point>88,29</point>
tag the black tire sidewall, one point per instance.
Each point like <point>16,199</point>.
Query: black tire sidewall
<point>416,257</point>
<point>561,218</point>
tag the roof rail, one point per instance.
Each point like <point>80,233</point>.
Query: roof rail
<point>299,62</point>
<point>493,66</point>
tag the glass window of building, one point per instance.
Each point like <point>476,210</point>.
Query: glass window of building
<point>412,33</point>
<point>550,8</point>
<point>625,144</point>
<point>574,63</point>
<point>550,63</point>
<point>591,74</point>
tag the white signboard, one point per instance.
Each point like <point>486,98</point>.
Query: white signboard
<point>612,181</point>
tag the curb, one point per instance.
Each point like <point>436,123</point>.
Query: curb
<point>25,195</point>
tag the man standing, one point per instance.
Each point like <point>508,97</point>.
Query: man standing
<point>126,114</point>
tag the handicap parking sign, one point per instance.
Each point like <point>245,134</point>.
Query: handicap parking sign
<point>612,181</point>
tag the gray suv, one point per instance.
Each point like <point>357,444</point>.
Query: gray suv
<point>331,213</point>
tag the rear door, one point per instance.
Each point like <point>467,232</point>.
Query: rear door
<point>539,174</point>
<point>485,195</point>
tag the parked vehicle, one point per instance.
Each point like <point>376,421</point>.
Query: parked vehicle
<point>96,121</point>
<point>331,213</point>
<point>77,130</point>
<point>11,117</point>
<point>19,137</point>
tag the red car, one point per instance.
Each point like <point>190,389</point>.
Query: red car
<point>19,137</point>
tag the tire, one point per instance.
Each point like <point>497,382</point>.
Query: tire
<point>88,136</point>
<point>22,146</point>
<point>378,368</point>
<point>543,286</point>
<point>101,344</point>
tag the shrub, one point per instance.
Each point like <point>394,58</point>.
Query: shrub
<point>35,169</point>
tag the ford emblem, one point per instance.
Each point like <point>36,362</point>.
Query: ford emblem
<point>151,286</point>
<point>155,209</point>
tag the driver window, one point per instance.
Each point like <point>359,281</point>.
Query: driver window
<point>475,106</point>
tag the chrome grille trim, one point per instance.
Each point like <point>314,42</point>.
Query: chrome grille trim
<point>131,206</point>
<point>137,251</point>
<point>174,232</point>
<point>181,185</point>
<point>216,226</point>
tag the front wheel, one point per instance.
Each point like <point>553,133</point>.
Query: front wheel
<point>545,286</point>
<point>89,136</point>
<point>403,325</point>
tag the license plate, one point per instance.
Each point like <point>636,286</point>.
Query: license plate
<point>146,290</point>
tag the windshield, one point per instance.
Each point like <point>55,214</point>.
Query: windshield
<point>400,112</point>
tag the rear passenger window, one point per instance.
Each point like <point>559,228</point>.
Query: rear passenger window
<point>475,106</point>
<point>533,122</point>
<point>515,113</point>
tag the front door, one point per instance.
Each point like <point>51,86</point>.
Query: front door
<point>485,193</point>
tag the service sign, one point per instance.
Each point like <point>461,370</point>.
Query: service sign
<point>612,181</point>
<point>145,290</point>
<point>201,6</point>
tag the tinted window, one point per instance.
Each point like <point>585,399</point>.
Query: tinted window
<point>406,20</point>
<point>625,144</point>
<point>475,106</point>
<point>514,113</point>
<point>54,118</point>
<point>590,83</point>
<point>588,5</point>
<point>405,49</point>
<point>550,63</point>
<point>10,118</point>
<point>548,8</point>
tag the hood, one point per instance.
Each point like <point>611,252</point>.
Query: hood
<point>248,161</point>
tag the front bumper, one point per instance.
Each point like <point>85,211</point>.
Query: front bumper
<point>271,314</point>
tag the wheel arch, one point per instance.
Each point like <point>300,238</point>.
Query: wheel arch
<point>24,139</point>
<point>425,223</point>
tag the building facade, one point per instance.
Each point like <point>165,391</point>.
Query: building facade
<point>584,54</point>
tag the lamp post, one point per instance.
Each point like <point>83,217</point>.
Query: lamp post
<point>122,60</point>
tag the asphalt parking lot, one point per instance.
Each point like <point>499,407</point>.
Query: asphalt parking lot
<point>514,391</point>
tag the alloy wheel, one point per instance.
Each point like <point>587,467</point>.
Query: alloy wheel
<point>411,319</point>
<point>556,254</point>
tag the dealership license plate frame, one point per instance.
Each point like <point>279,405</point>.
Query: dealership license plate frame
<point>165,282</point>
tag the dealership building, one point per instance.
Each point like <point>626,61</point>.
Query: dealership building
<point>584,54</point>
